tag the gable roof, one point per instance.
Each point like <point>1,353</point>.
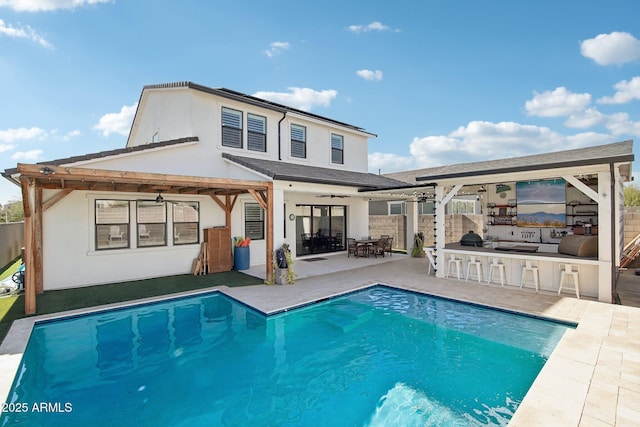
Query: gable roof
<point>283,171</point>
<point>108,153</point>
<point>618,152</point>
<point>251,100</point>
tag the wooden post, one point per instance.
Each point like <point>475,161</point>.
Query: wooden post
<point>269,242</point>
<point>28,201</point>
<point>37,240</point>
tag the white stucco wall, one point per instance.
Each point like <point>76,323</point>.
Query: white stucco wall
<point>70,258</point>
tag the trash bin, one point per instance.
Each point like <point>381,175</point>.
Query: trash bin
<point>241,258</point>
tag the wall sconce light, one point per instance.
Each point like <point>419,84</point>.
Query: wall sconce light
<point>292,217</point>
<point>46,171</point>
<point>159,199</point>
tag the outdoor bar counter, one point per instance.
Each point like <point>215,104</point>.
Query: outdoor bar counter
<point>514,255</point>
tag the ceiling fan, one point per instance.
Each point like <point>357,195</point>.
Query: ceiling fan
<point>333,196</point>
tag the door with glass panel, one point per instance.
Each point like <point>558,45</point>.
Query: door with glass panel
<point>320,229</point>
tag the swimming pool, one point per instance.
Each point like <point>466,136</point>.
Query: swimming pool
<point>380,356</point>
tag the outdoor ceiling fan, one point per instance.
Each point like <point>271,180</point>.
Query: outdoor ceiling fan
<point>333,196</point>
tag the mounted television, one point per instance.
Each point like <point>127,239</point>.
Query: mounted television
<point>542,203</point>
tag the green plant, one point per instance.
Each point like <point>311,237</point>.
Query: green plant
<point>418,245</point>
<point>282,259</point>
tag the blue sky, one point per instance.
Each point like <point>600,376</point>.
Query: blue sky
<point>439,82</point>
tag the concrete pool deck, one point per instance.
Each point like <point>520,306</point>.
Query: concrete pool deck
<point>591,379</point>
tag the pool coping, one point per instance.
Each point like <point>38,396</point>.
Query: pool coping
<point>591,378</point>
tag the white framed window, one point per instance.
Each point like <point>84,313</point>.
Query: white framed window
<point>186,223</point>
<point>461,206</point>
<point>396,208</point>
<point>112,220</point>
<point>231,128</point>
<point>253,221</point>
<point>298,141</point>
<point>152,223</point>
<point>337,148</point>
<point>256,132</point>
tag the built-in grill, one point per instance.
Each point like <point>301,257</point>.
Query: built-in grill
<point>585,246</point>
<point>471,239</point>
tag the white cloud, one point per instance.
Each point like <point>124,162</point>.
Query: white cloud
<point>614,48</point>
<point>73,134</point>
<point>47,5</point>
<point>557,103</point>
<point>276,47</point>
<point>23,33</point>
<point>370,75</point>
<point>374,26</point>
<point>621,124</point>
<point>625,92</point>
<point>28,156</point>
<point>388,162</point>
<point>6,147</point>
<point>300,98</point>
<point>585,119</point>
<point>12,135</point>
<point>119,123</point>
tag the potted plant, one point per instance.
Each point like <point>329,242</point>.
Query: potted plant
<point>283,265</point>
<point>418,245</point>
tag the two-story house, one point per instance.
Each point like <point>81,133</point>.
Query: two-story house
<point>196,157</point>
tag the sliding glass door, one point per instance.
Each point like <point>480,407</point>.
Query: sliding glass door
<point>320,229</point>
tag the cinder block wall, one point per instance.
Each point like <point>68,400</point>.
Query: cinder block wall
<point>631,223</point>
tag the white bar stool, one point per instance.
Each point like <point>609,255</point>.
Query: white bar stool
<point>495,263</point>
<point>529,267</point>
<point>569,271</point>
<point>474,262</point>
<point>457,263</point>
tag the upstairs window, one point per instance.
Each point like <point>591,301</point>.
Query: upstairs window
<point>337,148</point>
<point>256,132</point>
<point>254,221</point>
<point>298,141</point>
<point>231,128</point>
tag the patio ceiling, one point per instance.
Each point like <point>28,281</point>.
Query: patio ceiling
<point>35,178</point>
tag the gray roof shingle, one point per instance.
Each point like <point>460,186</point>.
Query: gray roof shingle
<point>601,154</point>
<point>295,172</point>
<point>103,154</point>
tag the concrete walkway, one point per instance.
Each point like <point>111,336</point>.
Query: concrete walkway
<point>591,379</point>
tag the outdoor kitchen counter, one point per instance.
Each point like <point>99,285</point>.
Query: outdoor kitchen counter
<point>549,264</point>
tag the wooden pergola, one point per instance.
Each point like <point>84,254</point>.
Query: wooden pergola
<point>34,178</point>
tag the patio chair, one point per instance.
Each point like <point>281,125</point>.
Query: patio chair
<point>143,233</point>
<point>115,233</point>
<point>355,248</point>
<point>378,248</point>
<point>388,245</point>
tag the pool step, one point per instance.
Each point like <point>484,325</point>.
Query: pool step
<point>347,317</point>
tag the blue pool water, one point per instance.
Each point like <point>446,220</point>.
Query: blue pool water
<point>372,358</point>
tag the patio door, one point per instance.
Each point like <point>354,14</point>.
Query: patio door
<point>320,229</point>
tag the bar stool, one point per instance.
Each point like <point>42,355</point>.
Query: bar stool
<point>529,267</point>
<point>456,263</point>
<point>568,271</point>
<point>495,263</point>
<point>474,262</point>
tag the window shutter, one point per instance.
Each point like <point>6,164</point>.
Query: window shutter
<point>231,128</point>
<point>256,133</point>
<point>337,151</point>
<point>298,141</point>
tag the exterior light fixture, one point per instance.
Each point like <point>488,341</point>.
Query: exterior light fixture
<point>46,171</point>
<point>159,199</point>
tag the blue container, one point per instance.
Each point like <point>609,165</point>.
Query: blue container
<point>241,258</point>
